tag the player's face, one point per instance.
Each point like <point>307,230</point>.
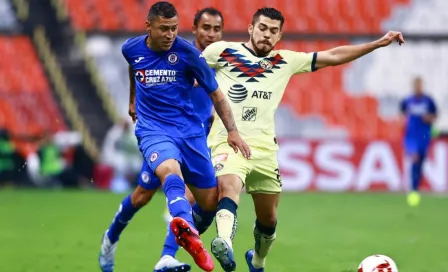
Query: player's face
<point>264,35</point>
<point>418,86</point>
<point>162,32</point>
<point>209,30</point>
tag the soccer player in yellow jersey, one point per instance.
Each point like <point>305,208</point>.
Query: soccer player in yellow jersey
<point>254,76</point>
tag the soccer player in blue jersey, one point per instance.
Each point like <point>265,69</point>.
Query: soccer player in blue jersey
<point>420,112</point>
<point>170,134</point>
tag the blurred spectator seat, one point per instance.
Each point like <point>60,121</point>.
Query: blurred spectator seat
<point>27,107</point>
<point>328,16</point>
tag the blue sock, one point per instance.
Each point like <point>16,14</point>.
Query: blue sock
<point>416,174</point>
<point>170,247</point>
<point>202,219</point>
<point>178,205</point>
<point>122,218</point>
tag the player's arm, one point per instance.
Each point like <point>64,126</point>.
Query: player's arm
<point>132,111</point>
<point>344,54</point>
<point>432,115</point>
<point>206,79</point>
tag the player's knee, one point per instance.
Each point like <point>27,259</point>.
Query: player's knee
<point>168,167</point>
<point>230,187</point>
<point>140,197</point>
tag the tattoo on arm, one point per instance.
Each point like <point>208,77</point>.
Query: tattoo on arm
<point>131,86</point>
<point>224,111</point>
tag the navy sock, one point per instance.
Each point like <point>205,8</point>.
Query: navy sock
<point>125,213</point>
<point>170,247</point>
<point>269,231</point>
<point>416,175</point>
<point>202,219</point>
<point>178,205</point>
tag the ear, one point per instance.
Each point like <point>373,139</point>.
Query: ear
<point>147,26</point>
<point>194,29</point>
<point>250,29</point>
<point>280,36</point>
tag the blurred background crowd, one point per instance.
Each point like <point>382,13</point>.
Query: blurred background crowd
<point>64,87</point>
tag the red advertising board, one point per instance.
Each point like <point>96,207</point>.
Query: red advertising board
<point>344,165</point>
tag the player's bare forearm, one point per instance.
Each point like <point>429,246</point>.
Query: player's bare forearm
<point>223,110</point>
<point>344,54</point>
<point>131,86</point>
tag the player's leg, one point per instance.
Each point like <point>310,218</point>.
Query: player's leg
<point>130,205</point>
<point>231,170</point>
<point>264,229</point>
<point>412,152</point>
<point>165,159</point>
<point>264,185</point>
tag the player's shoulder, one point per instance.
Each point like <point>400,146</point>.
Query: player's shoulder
<point>132,43</point>
<point>222,45</point>
<point>185,46</point>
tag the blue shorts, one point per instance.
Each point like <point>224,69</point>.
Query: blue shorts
<point>416,146</point>
<point>192,154</point>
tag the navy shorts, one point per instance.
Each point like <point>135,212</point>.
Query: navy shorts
<point>192,154</point>
<point>416,146</point>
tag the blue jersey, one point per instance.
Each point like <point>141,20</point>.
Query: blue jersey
<point>414,108</point>
<point>164,85</point>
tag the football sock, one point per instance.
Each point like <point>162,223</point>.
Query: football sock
<point>416,174</point>
<point>125,213</point>
<point>174,188</point>
<point>264,237</point>
<point>202,219</point>
<point>226,220</point>
<point>170,247</point>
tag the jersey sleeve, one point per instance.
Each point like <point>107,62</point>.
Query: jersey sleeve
<point>212,54</point>
<point>432,107</point>
<point>201,71</point>
<point>403,106</point>
<point>302,62</point>
<point>125,50</point>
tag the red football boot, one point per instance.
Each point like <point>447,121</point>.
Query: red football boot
<point>188,238</point>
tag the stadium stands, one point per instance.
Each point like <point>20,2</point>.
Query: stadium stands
<point>323,16</point>
<point>7,18</point>
<point>27,107</point>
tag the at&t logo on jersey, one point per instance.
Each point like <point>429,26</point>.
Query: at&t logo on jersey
<point>237,93</point>
<point>155,77</point>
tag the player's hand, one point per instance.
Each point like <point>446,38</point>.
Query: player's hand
<point>236,142</point>
<point>132,112</point>
<point>390,37</point>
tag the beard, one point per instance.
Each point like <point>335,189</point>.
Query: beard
<point>262,52</point>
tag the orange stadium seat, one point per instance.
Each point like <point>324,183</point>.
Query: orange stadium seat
<point>27,107</point>
<point>324,16</point>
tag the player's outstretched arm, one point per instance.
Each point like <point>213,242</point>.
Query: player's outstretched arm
<point>132,111</point>
<point>224,111</point>
<point>343,54</point>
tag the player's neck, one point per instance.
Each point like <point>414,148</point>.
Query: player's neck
<point>151,46</point>
<point>198,45</point>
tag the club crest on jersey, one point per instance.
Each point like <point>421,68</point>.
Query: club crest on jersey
<point>172,58</point>
<point>218,167</point>
<point>266,64</point>
<point>154,156</point>
<point>145,177</point>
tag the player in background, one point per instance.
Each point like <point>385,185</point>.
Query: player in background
<point>170,134</point>
<point>420,112</point>
<point>254,76</point>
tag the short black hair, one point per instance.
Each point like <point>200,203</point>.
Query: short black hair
<point>210,10</point>
<point>271,13</point>
<point>163,9</point>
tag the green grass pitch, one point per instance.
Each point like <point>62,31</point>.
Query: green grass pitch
<point>44,231</point>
